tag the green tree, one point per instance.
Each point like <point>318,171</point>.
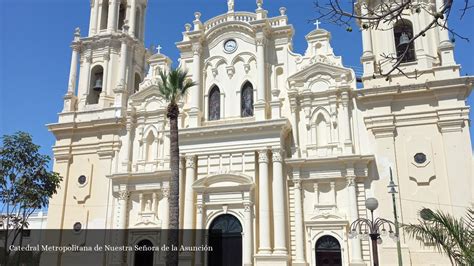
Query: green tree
<point>451,235</point>
<point>173,86</point>
<point>25,185</point>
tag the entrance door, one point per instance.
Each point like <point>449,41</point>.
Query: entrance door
<point>144,258</point>
<point>328,252</point>
<point>225,237</point>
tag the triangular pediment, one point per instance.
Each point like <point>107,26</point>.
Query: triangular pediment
<point>319,67</point>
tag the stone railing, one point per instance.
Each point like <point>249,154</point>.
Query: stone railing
<point>238,16</point>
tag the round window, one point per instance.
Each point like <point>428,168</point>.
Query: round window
<point>420,158</point>
<point>81,179</point>
<point>77,227</point>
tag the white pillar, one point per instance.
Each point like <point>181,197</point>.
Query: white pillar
<point>264,204</point>
<point>112,19</point>
<point>133,12</point>
<point>261,69</point>
<point>356,253</point>
<point>71,89</point>
<point>299,230</point>
<point>366,35</point>
<point>199,233</point>
<point>122,209</point>
<point>123,59</point>
<point>279,205</point>
<point>195,92</point>
<point>248,240</point>
<point>443,33</point>
<point>346,124</point>
<point>105,88</point>
<point>94,17</point>
<point>316,193</point>
<point>189,193</point>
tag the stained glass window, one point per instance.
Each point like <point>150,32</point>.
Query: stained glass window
<point>215,104</point>
<point>247,100</point>
<point>327,243</point>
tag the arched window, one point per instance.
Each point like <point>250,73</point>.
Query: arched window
<point>144,256</point>
<point>214,104</point>
<point>403,31</point>
<point>246,100</point>
<point>137,23</point>
<point>328,251</point>
<point>104,14</point>
<point>97,76</point>
<point>322,131</point>
<point>122,15</point>
<point>150,139</point>
<point>137,82</point>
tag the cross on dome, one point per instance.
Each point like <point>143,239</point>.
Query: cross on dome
<point>317,23</point>
<point>158,49</point>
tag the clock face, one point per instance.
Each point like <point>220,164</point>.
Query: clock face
<point>230,46</point>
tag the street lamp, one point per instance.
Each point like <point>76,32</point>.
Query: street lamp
<point>365,228</point>
<point>393,191</point>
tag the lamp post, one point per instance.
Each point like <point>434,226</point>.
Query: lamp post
<point>393,191</point>
<point>365,228</point>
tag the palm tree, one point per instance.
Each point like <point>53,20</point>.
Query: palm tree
<point>173,86</point>
<point>451,235</point>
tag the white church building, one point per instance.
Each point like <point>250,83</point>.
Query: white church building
<point>278,149</point>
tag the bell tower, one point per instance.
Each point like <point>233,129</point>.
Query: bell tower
<point>108,65</point>
<point>430,56</point>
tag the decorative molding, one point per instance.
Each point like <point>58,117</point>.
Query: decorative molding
<point>190,161</point>
<point>123,194</point>
<point>263,156</point>
<point>277,155</point>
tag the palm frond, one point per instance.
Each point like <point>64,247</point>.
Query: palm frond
<point>174,85</point>
<point>449,235</point>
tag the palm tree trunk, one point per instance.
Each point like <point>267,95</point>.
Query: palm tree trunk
<point>173,234</point>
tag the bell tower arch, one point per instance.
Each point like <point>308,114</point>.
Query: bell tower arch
<point>106,63</point>
<point>399,40</point>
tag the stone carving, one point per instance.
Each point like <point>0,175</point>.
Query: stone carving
<point>263,156</point>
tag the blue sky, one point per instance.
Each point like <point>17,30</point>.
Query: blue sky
<point>35,55</point>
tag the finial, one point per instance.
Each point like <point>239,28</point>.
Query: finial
<point>259,4</point>
<point>125,26</point>
<point>230,6</point>
<point>317,22</point>
<point>158,49</point>
<point>187,27</point>
<point>197,16</point>
<point>282,11</point>
<point>77,32</point>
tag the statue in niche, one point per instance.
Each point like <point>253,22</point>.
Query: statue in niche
<point>148,206</point>
<point>247,100</point>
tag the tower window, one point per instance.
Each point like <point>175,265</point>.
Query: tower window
<point>104,14</point>
<point>97,77</point>
<point>403,32</point>
<point>214,104</point>
<point>137,82</point>
<point>246,100</point>
<point>122,15</point>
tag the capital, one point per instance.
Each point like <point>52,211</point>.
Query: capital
<point>263,156</point>
<point>297,183</point>
<point>350,180</point>
<point>190,161</point>
<point>123,194</point>
<point>196,48</point>
<point>261,41</point>
<point>277,154</point>
<point>247,206</point>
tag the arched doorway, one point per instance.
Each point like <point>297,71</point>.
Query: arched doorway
<point>328,252</point>
<point>225,237</point>
<point>144,258</point>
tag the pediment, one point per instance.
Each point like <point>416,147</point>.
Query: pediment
<point>226,181</point>
<point>148,98</point>
<point>322,69</point>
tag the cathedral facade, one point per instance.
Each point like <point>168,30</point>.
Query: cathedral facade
<point>281,149</point>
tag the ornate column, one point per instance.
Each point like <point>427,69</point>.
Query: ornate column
<point>279,205</point>
<point>299,227</point>
<point>133,18</point>
<point>445,47</point>
<point>122,209</point>
<point>260,104</point>
<point>85,86</point>
<point>189,193</point>
<point>346,126</point>
<point>121,89</point>
<point>94,16</point>
<point>367,55</point>
<point>356,253</point>
<point>112,19</point>
<point>70,98</point>
<point>264,203</point>
<point>248,240</point>
<point>199,233</point>
<point>194,113</point>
